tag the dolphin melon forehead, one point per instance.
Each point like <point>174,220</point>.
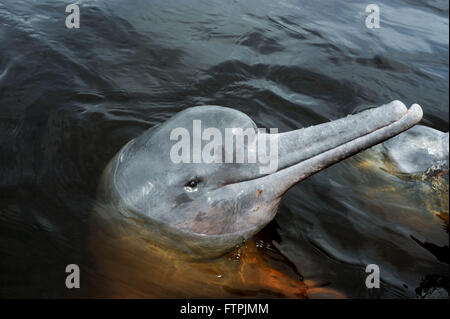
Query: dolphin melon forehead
<point>210,116</point>
<point>144,164</point>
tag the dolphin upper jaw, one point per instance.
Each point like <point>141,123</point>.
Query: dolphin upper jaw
<point>369,128</point>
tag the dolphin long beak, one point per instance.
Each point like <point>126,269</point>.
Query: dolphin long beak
<point>307,151</point>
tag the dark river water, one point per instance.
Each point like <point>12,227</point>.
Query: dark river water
<point>71,98</point>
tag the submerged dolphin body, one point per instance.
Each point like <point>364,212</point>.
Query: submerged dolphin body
<point>206,209</point>
<point>418,150</point>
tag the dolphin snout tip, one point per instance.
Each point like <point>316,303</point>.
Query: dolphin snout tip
<point>416,111</point>
<point>397,107</point>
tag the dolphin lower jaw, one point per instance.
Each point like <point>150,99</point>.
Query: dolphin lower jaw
<point>118,219</point>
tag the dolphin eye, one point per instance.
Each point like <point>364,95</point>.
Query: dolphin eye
<point>192,183</point>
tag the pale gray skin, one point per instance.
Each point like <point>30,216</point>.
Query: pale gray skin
<point>418,150</point>
<point>232,202</point>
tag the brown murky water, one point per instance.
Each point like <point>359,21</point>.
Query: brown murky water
<point>139,269</point>
<point>135,268</point>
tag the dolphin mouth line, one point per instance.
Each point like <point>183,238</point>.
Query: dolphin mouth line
<point>273,186</point>
<point>297,171</point>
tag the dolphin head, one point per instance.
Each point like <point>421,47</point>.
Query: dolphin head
<point>207,179</point>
